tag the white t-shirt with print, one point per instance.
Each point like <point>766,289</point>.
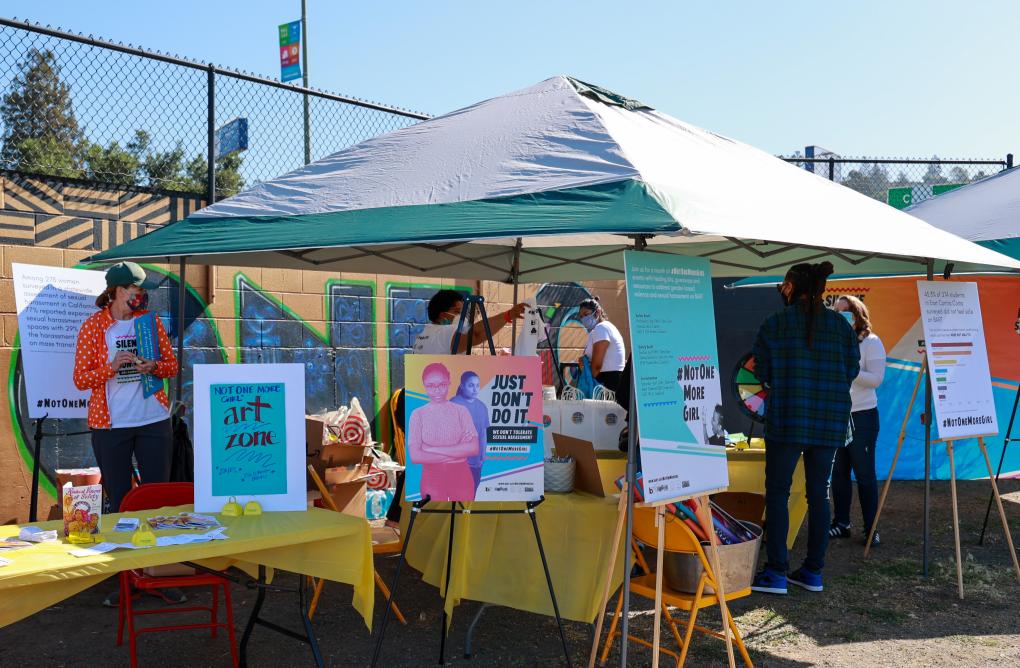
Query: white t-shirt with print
<point>616,355</point>
<point>128,407</point>
<point>434,340</point>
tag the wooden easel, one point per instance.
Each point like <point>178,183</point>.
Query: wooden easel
<point>705,520</point>
<point>949,443</point>
<point>896,456</point>
<point>956,519</point>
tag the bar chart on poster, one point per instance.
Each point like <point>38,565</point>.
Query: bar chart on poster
<point>961,382</point>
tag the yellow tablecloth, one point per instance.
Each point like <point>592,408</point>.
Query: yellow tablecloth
<point>747,474</point>
<point>496,560</point>
<point>319,543</point>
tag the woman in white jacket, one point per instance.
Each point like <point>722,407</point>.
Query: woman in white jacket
<point>859,455</point>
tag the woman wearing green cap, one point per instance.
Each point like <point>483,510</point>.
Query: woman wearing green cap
<point>125,424</point>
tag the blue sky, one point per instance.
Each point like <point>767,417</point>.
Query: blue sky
<point>904,78</point>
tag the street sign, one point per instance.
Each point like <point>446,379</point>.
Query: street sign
<point>231,138</point>
<point>290,51</point>
<point>901,198</point>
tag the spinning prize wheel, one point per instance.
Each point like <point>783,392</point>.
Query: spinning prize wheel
<point>748,389</point>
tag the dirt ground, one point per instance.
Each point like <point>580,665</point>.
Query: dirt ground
<point>874,612</point>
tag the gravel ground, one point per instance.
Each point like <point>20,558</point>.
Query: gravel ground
<point>874,612</point>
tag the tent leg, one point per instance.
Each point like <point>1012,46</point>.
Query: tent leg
<point>515,276</point>
<point>927,454</point>
<point>182,288</point>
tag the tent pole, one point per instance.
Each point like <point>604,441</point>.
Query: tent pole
<point>632,446</point>
<point>182,287</point>
<point>515,276</point>
<point>927,453</point>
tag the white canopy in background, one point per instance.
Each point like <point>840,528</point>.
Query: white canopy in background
<point>575,173</point>
<point>986,212</point>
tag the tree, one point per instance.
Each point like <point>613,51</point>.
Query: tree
<point>958,175</point>
<point>872,181</point>
<point>227,174</point>
<point>41,132</point>
<point>933,175</point>
<point>112,164</point>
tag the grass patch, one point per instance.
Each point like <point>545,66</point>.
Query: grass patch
<point>991,583</point>
<point>765,627</point>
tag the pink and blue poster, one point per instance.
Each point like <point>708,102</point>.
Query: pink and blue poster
<point>474,428</point>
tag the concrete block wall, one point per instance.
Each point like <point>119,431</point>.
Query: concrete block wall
<point>350,330</point>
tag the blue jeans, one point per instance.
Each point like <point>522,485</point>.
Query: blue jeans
<point>859,456</point>
<point>780,462</point>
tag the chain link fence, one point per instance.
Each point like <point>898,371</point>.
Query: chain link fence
<point>73,106</point>
<point>76,107</point>
<point>901,182</point>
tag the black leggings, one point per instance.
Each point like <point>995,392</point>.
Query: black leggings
<point>150,444</point>
<point>610,380</point>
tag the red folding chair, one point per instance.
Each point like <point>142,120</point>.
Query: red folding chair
<point>158,495</point>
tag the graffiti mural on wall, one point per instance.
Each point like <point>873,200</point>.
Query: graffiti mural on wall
<point>202,346</point>
<point>339,363</point>
<point>339,357</point>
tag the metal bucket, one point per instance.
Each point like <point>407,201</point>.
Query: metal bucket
<point>681,571</point>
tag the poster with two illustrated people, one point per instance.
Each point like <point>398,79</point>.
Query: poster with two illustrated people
<point>474,428</point>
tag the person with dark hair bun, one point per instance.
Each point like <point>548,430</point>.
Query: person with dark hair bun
<point>807,356</point>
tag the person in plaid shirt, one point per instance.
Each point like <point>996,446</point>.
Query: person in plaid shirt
<point>807,356</point>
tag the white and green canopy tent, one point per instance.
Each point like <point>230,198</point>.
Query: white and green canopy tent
<point>986,212</point>
<point>551,183</point>
<point>576,174</point>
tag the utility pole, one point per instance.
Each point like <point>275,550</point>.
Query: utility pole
<point>304,59</point>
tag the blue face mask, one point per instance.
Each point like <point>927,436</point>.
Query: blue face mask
<point>589,322</point>
<point>849,317</point>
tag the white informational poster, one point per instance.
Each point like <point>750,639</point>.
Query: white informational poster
<point>676,375</point>
<point>961,383</point>
<point>52,304</point>
<point>250,435</point>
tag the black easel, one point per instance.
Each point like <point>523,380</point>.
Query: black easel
<point>472,304</point>
<point>33,504</point>
<point>1002,458</point>
<point>455,509</point>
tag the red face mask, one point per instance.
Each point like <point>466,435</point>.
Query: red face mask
<point>139,302</point>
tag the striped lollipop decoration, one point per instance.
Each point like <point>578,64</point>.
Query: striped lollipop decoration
<point>377,479</point>
<point>353,431</point>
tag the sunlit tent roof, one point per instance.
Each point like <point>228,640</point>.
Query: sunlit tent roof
<point>986,212</point>
<point>575,173</point>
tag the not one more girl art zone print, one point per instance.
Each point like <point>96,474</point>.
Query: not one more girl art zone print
<point>249,435</point>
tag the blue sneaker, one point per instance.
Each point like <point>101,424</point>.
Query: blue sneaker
<point>770,582</point>
<point>806,579</point>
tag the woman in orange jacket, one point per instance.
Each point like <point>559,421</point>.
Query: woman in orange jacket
<point>123,421</point>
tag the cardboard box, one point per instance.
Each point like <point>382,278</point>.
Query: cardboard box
<point>323,454</point>
<point>315,433</point>
<point>347,485</point>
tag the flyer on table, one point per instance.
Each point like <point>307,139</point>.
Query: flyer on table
<point>474,428</point>
<point>961,382</point>
<point>676,374</point>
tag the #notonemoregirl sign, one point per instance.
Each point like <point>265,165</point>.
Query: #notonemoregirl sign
<point>250,435</point>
